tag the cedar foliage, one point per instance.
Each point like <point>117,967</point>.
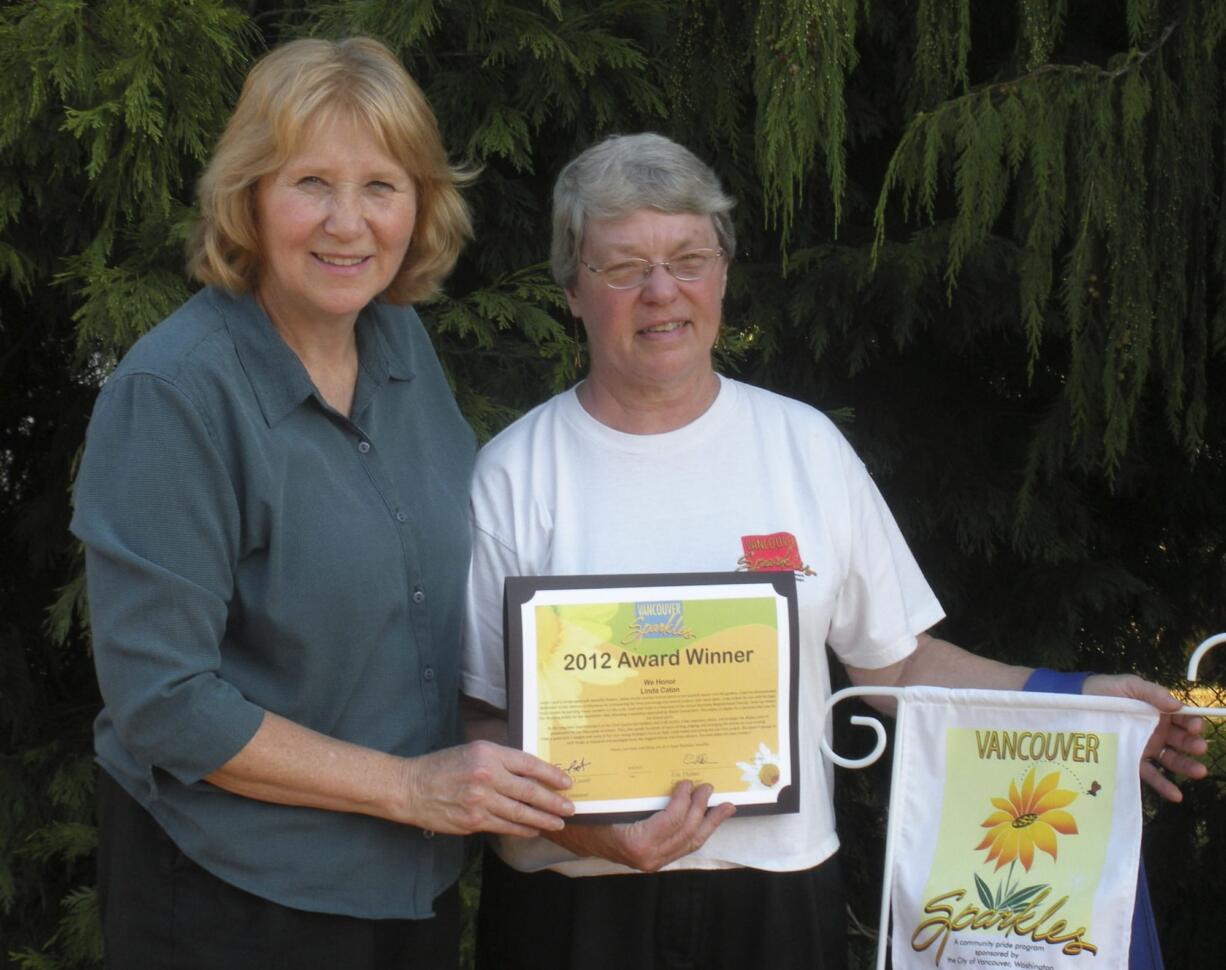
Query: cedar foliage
<point>989,238</point>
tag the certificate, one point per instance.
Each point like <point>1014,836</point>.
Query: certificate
<point>632,683</point>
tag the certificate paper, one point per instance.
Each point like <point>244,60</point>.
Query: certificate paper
<point>633,683</point>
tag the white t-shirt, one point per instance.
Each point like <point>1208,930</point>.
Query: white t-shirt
<point>758,481</point>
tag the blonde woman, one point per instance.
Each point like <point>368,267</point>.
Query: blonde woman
<point>273,503</point>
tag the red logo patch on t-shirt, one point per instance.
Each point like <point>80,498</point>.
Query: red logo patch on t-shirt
<point>778,552</point>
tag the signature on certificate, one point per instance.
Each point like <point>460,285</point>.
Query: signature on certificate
<point>576,767</point>
<point>697,759</point>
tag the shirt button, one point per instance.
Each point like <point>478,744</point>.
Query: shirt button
<point>363,446</point>
<point>428,673</point>
<point>419,595</point>
<point>427,834</point>
<point>401,517</point>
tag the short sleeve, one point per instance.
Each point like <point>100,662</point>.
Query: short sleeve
<point>157,513</point>
<point>884,601</point>
<point>483,662</point>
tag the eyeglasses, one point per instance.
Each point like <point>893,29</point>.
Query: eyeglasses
<point>626,274</point>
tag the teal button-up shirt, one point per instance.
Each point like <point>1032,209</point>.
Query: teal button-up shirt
<point>248,548</point>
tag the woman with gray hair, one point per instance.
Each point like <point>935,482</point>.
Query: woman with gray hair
<point>272,504</point>
<point>656,463</point>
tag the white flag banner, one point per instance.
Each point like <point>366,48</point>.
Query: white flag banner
<point>1015,829</point>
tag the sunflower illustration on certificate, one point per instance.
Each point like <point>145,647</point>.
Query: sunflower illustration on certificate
<point>634,683</point>
<point>1018,830</point>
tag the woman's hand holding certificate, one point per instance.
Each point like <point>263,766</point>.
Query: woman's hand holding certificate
<point>650,844</point>
<point>483,787</point>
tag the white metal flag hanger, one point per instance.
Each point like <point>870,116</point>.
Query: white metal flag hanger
<point>900,695</point>
<point>1194,672</point>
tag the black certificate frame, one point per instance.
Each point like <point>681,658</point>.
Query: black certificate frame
<point>520,590</point>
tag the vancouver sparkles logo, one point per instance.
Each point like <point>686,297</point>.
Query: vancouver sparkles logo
<point>658,620</point>
<point>1034,846</point>
<point>778,552</point>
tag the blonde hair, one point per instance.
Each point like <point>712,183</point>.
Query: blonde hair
<point>306,82</point>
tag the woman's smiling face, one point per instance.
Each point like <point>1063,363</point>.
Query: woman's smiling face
<point>334,225</point>
<point>657,335</point>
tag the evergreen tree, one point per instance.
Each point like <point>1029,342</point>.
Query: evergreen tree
<point>989,239</point>
<point>107,111</point>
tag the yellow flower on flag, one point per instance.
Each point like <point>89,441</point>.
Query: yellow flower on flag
<point>1029,818</point>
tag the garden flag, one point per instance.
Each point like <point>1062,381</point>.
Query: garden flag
<point>1016,829</point>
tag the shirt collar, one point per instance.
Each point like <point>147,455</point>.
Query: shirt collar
<point>278,378</point>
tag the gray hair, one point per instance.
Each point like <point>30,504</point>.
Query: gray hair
<point>623,173</point>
